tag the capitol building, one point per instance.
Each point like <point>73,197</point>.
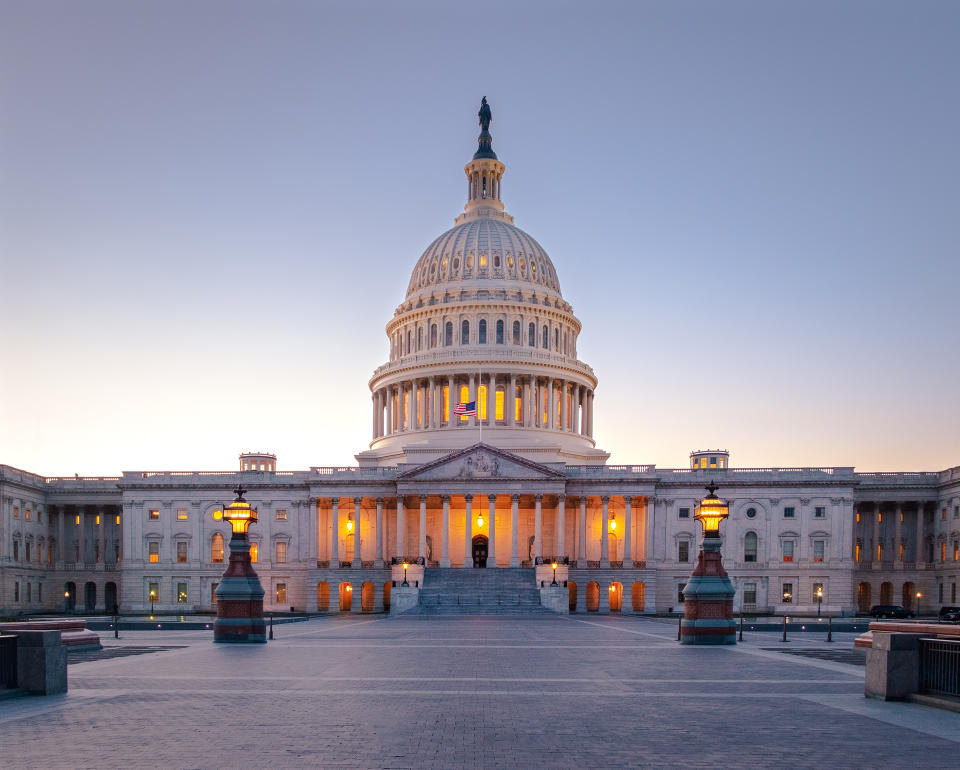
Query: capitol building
<point>482,473</point>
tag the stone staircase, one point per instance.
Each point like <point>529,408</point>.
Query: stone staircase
<point>480,592</point>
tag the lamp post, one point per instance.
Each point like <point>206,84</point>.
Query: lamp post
<point>819,600</point>
<point>239,595</point>
<point>554,583</point>
<point>405,583</point>
<point>919,597</point>
<point>708,595</point>
<point>66,602</point>
<point>153,599</point>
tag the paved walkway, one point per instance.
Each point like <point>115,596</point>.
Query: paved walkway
<point>470,691</point>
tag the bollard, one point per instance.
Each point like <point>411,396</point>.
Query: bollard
<point>116,626</point>
<point>741,629</point>
<point>829,629</point>
<point>271,626</point>
<point>679,626</point>
<point>784,629</point>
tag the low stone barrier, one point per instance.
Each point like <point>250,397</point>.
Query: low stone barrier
<point>924,629</point>
<point>73,633</point>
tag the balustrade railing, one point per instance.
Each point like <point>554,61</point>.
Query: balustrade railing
<point>940,667</point>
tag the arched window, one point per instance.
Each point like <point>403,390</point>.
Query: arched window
<point>409,341</point>
<point>532,335</point>
<point>448,334</point>
<point>465,333</point>
<point>254,552</point>
<point>516,332</point>
<point>419,338</point>
<point>433,335</point>
<point>546,337</point>
<point>556,340</point>
<point>216,547</point>
<point>750,547</point>
<point>482,332</point>
<point>499,332</point>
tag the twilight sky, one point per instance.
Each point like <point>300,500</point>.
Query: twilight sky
<point>209,211</point>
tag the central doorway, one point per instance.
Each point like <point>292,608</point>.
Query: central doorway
<point>480,544</point>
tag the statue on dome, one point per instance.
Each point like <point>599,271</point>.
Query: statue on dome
<point>485,115</point>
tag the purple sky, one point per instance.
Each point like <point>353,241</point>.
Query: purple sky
<point>209,211</point>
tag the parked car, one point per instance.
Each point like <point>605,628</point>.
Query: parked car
<point>890,611</point>
<point>949,615</point>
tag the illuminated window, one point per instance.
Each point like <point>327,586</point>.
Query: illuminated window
<point>818,550</point>
<point>281,553</point>
<point>16,512</point>
<point>153,592</point>
<point>516,332</point>
<point>787,593</point>
<point>879,516</point>
<point>254,552</point>
<point>482,406</point>
<point>154,514</point>
<point>26,514</point>
<point>77,520</point>
<point>281,514</point>
<point>818,592</point>
<point>517,407</point>
<point>683,513</point>
<point>182,514</point>
<point>181,593</point>
<point>153,549</point>
<point>857,551</point>
<point>117,520</point>
<point>499,332</point>
<point>683,551</point>
<point>943,552</point>
<point>956,550</point>
<point>498,408</point>
<point>446,403</point>
<point>858,517</point>
<point>943,514</point>
<point>281,593</point>
<point>787,547</point>
<point>482,332</point>
<point>789,513</point>
<point>464,398</point>
<point>96,519</point>
<point>216,547</point>
<point>879,551</point>
<point>181,552</point>
<point>750,547</point>
<point>213,593</point>
<point>900,554</point>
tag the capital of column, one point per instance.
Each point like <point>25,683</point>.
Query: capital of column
<point>515,498</point>
<point>491,497</point>
<point>468,498</point>
<point>538,497</point>
<point>423,498</point>
<point>628,498</point>
<point>445,498</point>
<point>605,499</point>
<point>379,501</point>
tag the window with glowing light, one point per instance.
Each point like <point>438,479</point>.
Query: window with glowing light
<point>26,515</point>
<point>153,551</point>
<point>153,592</point>
<point>254,552</point>
<point>16,512</point>
<point>181,593</point>
<point>482,406</point>
<point>943,551</point>
<point>216,548</point>
<point>281,593</point>
<point>116,520</point>
<point>498,406</point>
<point>281,514</point>
<point>281,553</point>
<point>818,592</point>
<point>857,550</point>
<point>181,552</point>
<point>464,398</point>
<point>181,514</point>
<point>446,403</point>
<point>153,515</point>
<point>76,520</point>
<point>517,407</point>
<point>787,593</point>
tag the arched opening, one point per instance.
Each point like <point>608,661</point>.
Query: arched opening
<point>366,597</point>
<point>433,335</point>
<point>482,332</point>
<point>480,545</point>
<point>572,593</point>
<point>70,596</point>
<point>110,603</point>
<point>532,335</point>
<point>216,547</point>
<point>886,592</point>
<point>516,332</point>
<point>639,596</point>
<point>323,596</point>
<point>616,597</point>
<point>346,597</point>
<point>448,334</point>
<point>386,596</point>
<point>864,597</point>
<point>546,338</point>
<point>90,597</point>
<point>750,547</point>
<point>593,596</point>
<point>465,333</point>
<point>254,552</point>
<point>499,332</point>
<point>909,589</point>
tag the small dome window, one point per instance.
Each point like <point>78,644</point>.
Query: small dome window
<point>443,265</point>
<point>523,266</point>
<point>483,260</point>
<point>510,262</point>
<point>469,261</point>
<point>456,263</point>
<point>496,261</point>
<point>533,268</point>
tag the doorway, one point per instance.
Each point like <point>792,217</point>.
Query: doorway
<point>480,545</point>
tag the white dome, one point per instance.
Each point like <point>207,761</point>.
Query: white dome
<point>486,250</point>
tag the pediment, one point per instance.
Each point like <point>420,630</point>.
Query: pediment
<point>480,461</point>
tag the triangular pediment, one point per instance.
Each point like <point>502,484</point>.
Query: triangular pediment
<point>481,461</point>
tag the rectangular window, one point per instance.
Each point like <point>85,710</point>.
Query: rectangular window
<point>787,593</point>
<point>858,517</point>
<point>482,406</point>
<point>956,550</point>
<point>446,403</point>
<point>820,512</point>
<point>16,511</point>
<point>16,590</point>
<point>879,551</point>
<point>154,514</point>
<point>680,587</point>
<point>281,514</point>
<point>498,407</point>
<point>153,592</point>
<point>117,520</point>
<point>684,513</point>
<point>788,512</point>
<point>181,552</point>
<point>213,593</point>
<point>517,406</point>
<point>153,549</point>
<point>940,592</point>
<point>953,592</point>
<point>943,514</point>
<point>750,593</point>
<point>181,593</point>
<point>26,551</point>
<point>281,593</point>
<point>818,548</point>
<point>96,520</point>
<point>76,520</point>
<point>856,554</point>
<point>943,552</point>
<point>464,398</point>
<point>818,594</point>
<point>182,514</point>
<point>788,550</point>
<point>281,553</point>
<point>683,551</point>
<point>26,516</point>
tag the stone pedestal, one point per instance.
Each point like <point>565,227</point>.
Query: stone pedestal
<point>41,662</point>
<point>708,600</point>
<point>239,598</point>
<point>893,666</point>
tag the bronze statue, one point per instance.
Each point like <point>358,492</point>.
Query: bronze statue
<point>485,115</point>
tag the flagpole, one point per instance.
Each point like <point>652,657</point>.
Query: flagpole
<point>479,413</point>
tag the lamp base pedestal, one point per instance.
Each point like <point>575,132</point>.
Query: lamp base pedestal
<point>240,599</point>
<point>708,600</point>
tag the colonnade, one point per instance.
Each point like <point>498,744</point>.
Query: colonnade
<point>428,403</point>
<point>873,542</point>
<point>84,535</point>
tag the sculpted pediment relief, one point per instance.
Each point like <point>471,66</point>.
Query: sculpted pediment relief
<point>481,462</point>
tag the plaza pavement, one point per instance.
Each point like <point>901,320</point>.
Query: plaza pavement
<point>596,691</point>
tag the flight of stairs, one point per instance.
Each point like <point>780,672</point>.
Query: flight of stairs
<point>480,592</point>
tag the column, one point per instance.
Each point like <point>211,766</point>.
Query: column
<point>537,528</point>
<point>514,517</point>
<point>381,405</point>
<point>551,405</point>
<point>492,400</point>
<point>357,556</point>
<point>379,562</point>
<point>431,410</point>
<point>919,546</point>
<point>445,533</point>
<point>628,532</point>
<point>373,398</point>
<point>576,409</point>
<point>897,535</point>
<point>335,533</point>
<point>422,549</point>
<point>82,534</point>
<point>492,544</point>
<point>468,531</point>
<point>582,546</point>
<point>512,401</point>
<point>561,525</point>
<point>876,531</point>
<point>389,394</point>
<point>450,403</point>
<point>604,524</point>
<point>563,405</point>
<point>401,529</point>
<point>61,551</point>
<point>100,539</point>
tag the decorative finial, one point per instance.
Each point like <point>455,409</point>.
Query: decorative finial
<point>712,489</point>
<point>240,492</point>
<point>484,150</point>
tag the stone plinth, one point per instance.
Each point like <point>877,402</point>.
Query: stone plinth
<point>41,662</point>
<point>240,598</point>
<point>708,600</point>
<point>893,665</point>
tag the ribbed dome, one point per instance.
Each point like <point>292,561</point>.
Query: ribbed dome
<point>483,249</point>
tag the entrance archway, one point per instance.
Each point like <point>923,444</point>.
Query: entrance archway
<point>616,597</point>
<point>480,546</point>
<point>907,596</point>
<point>572,591</point>
<point>90,597</point>
<point>110,603</point>
<point>346,597</point>
<point>639,596</point>
<point>70,596</point>
<point>386,596</point>
<point>864,597</point>
<point>323,596</point>
<point>593,596</point>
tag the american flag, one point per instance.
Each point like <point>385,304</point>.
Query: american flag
<point>466,409</point>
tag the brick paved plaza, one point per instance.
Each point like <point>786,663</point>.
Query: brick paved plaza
<point>470,691</point>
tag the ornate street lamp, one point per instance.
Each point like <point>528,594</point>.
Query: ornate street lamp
<point>554,583</point>
<point>239,595</point>
<point>819,600</point>
<point>919,597</point>
<point>153,599</point>
<point>405,583</point>
<point>708,595</point>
